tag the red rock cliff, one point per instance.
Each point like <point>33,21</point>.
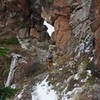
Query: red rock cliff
<point>76,23</point>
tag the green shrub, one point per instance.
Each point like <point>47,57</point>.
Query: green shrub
<point>10,41</point>
<point>7,92</point>
<point>4,52</point>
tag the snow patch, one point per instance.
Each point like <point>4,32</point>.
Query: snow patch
<point>20,95</point>
<point>43,91</point>
<point>76,77</point>
<point>54,64</point>
<point>50,28</point>
<point>13,86</point>
<point>85,80</point>
<point>90,59</point>
<point>78,55</point>
<point>82,45</point>
<point>89,73</point>
<point>60,69</point>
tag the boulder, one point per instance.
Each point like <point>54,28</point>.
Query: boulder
<point>62,31</point>
<point>34,33</point>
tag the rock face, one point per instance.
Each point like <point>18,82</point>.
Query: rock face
<point>67,17</point>
<point>96,29</point>
<point>34,33</point>
<point>58,13</point>
<point>73,20</point>
<point>76,23</point>
<point>92,93</point>
<point>21,17</point>
<point>62,31</point>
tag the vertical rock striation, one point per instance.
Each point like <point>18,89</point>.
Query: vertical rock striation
<point>76,22</point>
<point>96,30</point>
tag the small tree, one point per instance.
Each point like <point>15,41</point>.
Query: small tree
<point>4,52</point>
<point>7,92</point>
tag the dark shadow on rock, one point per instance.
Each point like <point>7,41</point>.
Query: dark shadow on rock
<point>31,69</point>
<point>95,70</point>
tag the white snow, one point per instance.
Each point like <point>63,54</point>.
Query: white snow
<point>50,28</point>
<point>87,77</point>
<point>20,95</point>
<point>90,59</point>
<point>78,55</point>
<point>87,51</point>
<point>60,69</point>
<point>43,91</point>
<point>57,84</point>
<point>13,86</point>
<point>75,90</point>
<point>89,72</point>
<point>76,85</point>
<point>69,94</point>
<point>85,80</point>
<point>76,77</point>
<point>82,46</point>
<point>54,64</point>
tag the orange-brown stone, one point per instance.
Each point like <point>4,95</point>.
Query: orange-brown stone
<point>60,3</point>
<point>34,33</point>
<point>96,29</point>
<point>62,31</point>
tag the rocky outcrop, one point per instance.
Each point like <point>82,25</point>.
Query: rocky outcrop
<point>92,93</point>
<point>75,22</point>
<point>96,30</point>
<point>77,33</point>
<point>34,33</point>
<point>70,19</point>
<point>58,14</point>
<point>21,17</point>
<point>62,31</point>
